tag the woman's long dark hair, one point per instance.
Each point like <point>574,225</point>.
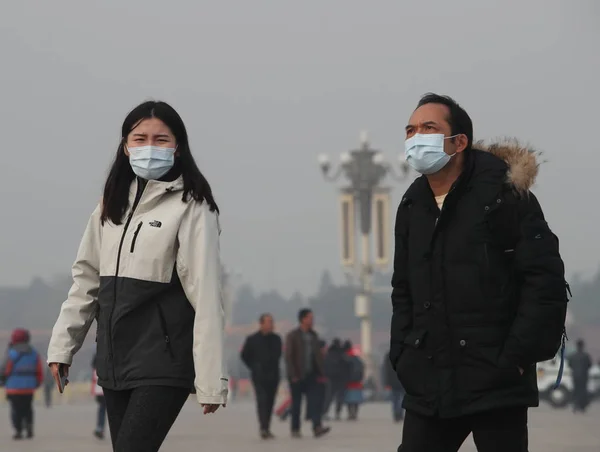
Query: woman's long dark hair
<point>120,177</point>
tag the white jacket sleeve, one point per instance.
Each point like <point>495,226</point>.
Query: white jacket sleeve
<point>199,269</point>
<point>79,310</point>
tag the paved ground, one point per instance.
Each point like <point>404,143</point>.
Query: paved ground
<point>69,427</point>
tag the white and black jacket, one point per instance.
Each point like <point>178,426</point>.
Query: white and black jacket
<point>154,285</point>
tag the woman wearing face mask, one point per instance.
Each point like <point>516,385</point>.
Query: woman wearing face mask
<point>148,270</point>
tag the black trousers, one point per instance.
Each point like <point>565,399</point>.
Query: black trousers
<point>21,412</point>
<point>336,392</point>
<point>139,419</point>
<point>265,391</point>
<point>320,395</point>
<point>581,397</point>
<point>309,387</point>
<point>503,430</point>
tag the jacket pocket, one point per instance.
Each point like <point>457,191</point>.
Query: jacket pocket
<point>165,331</point>
<point>135,236</point>
<point>102,360</point>
<point>412,364</point>
<point>482,369</point>
<point>496,271</point>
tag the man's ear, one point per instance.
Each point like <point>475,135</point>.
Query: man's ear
<point>461,141</point>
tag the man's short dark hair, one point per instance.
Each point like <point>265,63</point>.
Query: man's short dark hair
<point>303,313</point>
<point>459,120</point>
<point>263,317</point>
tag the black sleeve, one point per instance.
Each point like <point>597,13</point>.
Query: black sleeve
<point>538,328</point>
<point>385,372</point>
<point>401,303</point>
<point>279,347</point>
<point>246,354</point>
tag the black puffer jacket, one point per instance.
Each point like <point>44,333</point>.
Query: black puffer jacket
<point>478,289</point>
<point>261,353</point>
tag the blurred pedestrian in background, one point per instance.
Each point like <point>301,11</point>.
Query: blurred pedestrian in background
<point>304,364</point>
<point>261,353</point>
<point>21,372</point>
<point>580,363</point>
<point>354,396</point>
<point>337,366</point>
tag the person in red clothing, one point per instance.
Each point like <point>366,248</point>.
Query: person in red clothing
<point>21,372</point>
<point>354,388</point>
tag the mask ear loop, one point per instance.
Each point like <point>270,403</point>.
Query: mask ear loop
<point>448,138</point>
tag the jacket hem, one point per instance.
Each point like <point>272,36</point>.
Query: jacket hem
<point>422,409</point>
<point>429,411</point>
<point>10,392</point>
<point>127,385</point>
<point>525,403</point>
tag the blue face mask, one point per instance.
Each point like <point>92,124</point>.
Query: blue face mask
<point>151,162</point>
<point>425,152</point>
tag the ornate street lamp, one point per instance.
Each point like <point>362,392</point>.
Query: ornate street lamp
<point>365,198</point>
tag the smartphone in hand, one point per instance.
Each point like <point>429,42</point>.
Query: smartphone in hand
<point>62,379</point>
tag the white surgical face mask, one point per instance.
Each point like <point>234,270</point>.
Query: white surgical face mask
<point>425,152</point>
<point>151,162</point>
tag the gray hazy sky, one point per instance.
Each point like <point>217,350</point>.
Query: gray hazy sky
<point>264,87</point>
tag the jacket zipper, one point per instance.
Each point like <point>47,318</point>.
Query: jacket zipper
<point>486,270</point>
<point>433,236</point>
<point>135,236</point>
<point>165,331</point>
<point>437,219</point>
<point>111,352</point>
<point>486,260</point>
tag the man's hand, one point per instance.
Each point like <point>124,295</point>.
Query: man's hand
<point>55,374</point>
<point>210,408</point>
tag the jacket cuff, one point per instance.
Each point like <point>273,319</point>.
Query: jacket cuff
<point>60,358</point>
<point>212,400</point>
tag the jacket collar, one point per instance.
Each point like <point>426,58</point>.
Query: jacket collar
<point>153,191</point>
<point>482,171</point>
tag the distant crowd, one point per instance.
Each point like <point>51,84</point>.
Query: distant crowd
<point>330,376</point>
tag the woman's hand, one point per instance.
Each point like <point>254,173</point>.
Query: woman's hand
<point>210,408</point>
<point>56,375</point>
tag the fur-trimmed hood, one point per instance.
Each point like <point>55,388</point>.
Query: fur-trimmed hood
<point>522,161</point>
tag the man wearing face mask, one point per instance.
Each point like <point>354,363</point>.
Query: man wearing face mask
<point>479,294</point>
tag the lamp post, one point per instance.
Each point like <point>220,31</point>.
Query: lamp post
<point>365,199</point>
<point>228,282</point>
